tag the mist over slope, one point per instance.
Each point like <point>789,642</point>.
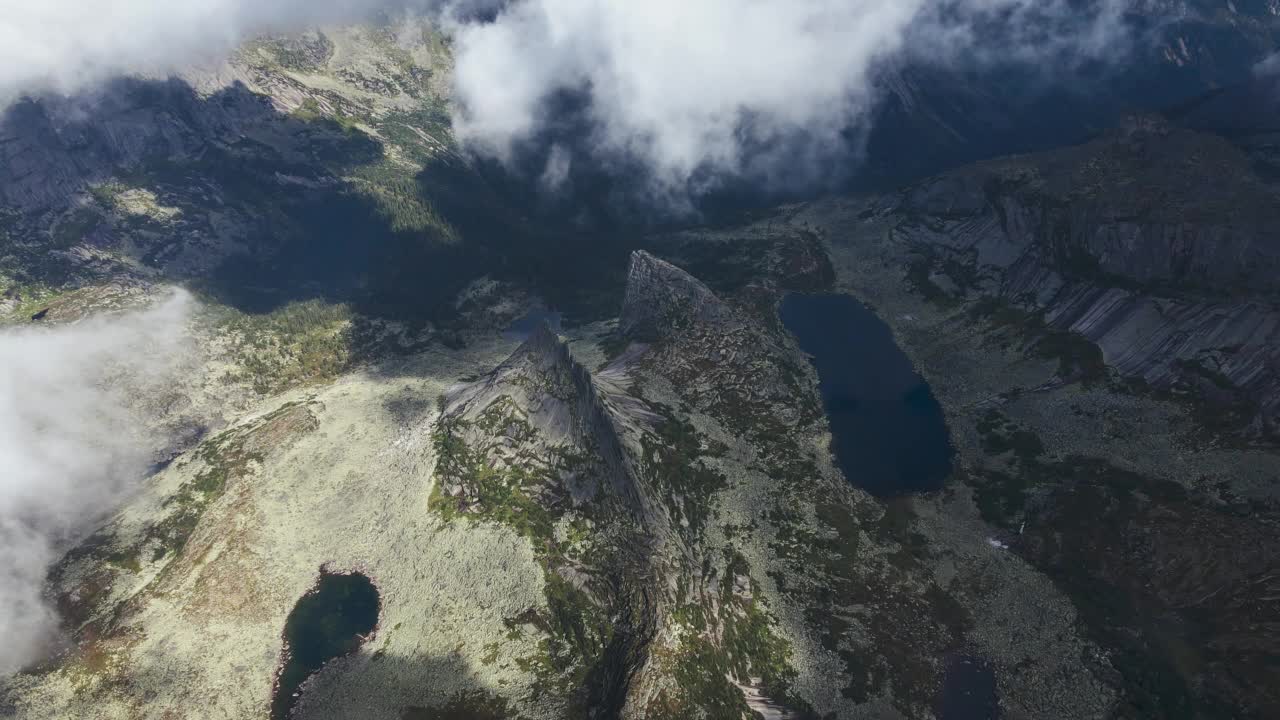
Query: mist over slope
<point>695,90</point>
<point>74,440</point>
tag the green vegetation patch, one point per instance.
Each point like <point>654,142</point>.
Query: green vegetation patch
<point>402,202</point>
<point>1001,435</point>
<point>495,474</point>
<point>829,574</point>
<point>298,343</point>
<point>673,464</point>
<point>728,640</point>
<point>224,458</point>
<point>505,492</point>
<point>1078,357</point>
<point>701,688</point>
<point>469,705</point>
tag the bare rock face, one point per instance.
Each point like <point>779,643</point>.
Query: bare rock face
<point>1158,244</point>
<point>728,360</point>
<point>537,445</point>
<point>1226,353</point>
<point>660,295</point>
<point>542,403</point>
<point>53,148</point>
<point>1148,204</point>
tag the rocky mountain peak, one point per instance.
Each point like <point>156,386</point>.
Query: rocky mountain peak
<point>544,348</point>
<point>542,402</point>
<point>661,296</point>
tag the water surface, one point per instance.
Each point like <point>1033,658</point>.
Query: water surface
<point>888,431</point>
<point>969,690</point>
<point>330,621</point>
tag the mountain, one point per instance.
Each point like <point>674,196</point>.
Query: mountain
<point>386,499</point>
<point>545,539</point>
<point>1099,324</point>
<point>934,118</point>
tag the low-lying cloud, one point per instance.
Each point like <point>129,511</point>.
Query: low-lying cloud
<point>694,89</point>
<point>70,45</point>
<point>681,88</point>
<point>74,440</point>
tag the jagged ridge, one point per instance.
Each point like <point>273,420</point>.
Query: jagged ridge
<point>564,404</point>
<point>660,295</point>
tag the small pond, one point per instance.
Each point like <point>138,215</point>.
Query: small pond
<point>330,621</point>
<point>969,690</point>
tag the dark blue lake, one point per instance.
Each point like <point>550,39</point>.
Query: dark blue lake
<point>969,690</point>
<point>888,432</point>
<point>330,621</point>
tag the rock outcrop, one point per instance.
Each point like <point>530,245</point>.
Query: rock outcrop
<point>53,149</point>
<point>552,406</point>
<point>660,298</point>
<point>539,446</point>
<point>1160,245</point>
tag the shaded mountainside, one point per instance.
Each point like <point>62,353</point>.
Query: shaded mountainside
<point>1099,325</point>
<point>1155,243</point>
<point>308,190</point>
<point>263,182</point>
<point>322,167</point>
<point>939,117</point>
<point>312,168</point>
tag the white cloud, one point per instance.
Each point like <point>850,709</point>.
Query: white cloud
<point>681,86</point>
<point>685,86</point>
<point>74,439</point>
<point>68,45</point>
<point>1268,67</point>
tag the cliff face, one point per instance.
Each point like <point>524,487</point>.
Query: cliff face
<point>660,297</point>
<point>54,149</point>
<point>1159,245</point>
<point>542,385</point>
<point>538,446</point>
